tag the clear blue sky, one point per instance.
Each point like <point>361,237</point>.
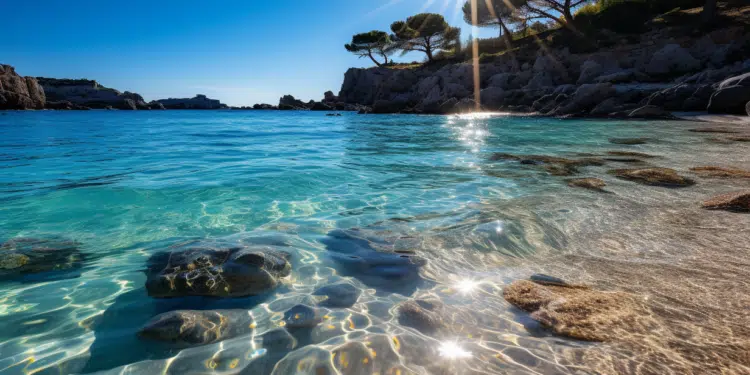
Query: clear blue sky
<point>242,52</point>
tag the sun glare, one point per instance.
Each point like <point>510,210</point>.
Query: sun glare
<point>451,350</point>
<point>466,286</point>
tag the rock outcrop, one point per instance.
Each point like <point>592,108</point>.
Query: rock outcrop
<point>198,102</point>
<point>18,92</point>
<point>736,202</point>
<point>663,71</point>
<point>87,93</point>
<point>290,102</point>
<point>580,312</point>
<point>216,271</point>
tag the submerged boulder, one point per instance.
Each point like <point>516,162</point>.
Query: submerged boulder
<point>302,316</point>
<point>580,312</point>
<point>216,271</point>
<point>711,171</point>
<point>653,176</point>
<point>381,258</point>
<point>588,183</point>
<point>628,141</point>
<point>35,255</point>
<point>423,315</point>
<point>186,328</point>
<point>737,201</point>
<point>338,295</point>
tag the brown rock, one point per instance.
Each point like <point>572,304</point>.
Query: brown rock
<point>588,183</point>
<point>580,313</point>
<point>740,138</point>
<point>653,176</point>
<point>18,92</point>
<point>722,130</point>
<point>711,171</point>
<point>629,141</point>
<point>737,201</point>
<point>630,153</point>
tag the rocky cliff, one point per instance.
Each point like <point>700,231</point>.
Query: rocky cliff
<point>18,92</point>
<point>666,69</point>
<point>198,102</point>
<point>84,93</point>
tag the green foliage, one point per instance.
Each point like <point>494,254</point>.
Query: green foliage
<point>498,13</point>
<point>627,16</point>
<point>373,42</point>
<point>425,32</point>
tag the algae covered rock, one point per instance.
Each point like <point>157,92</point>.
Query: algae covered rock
<point>720,172</point>
<point>185,328</point>
<point>216,271</point>
<point>579,312</point>
<point>588,183</point>
<point>338,295</point>
<point>36,255</point>
<point>423,315</point>
<point>629,141</point>
<point>302,316</point>
<point>738,201</point>
<point>653,176</point>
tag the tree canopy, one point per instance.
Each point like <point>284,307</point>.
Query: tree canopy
<point>425,32</point>
<point>495,13</point>
<point>371,43</point>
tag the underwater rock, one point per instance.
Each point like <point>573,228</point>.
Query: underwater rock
<point>186,328</point>
<point>554,165</point>
<point>711,171</point>
<point>302,316</point>
<point>421,314</point>
<point>35,255</point>
<point>580,312</point>
<point>628,141</point>
<point>653,176</point>
<point>739,138</point>
<point>216,271</point>
<point>630,153</point>
<point>736,201</point>
<point>367,253</point>
<point>543,279</point>
<point>588,183</point>
<point>718,129</point>
<point>338,295</point>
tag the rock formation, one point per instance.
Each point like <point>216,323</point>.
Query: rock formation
<point>198,102</point>
<point>87,93</point>
<point>665,70</point>
<point>217,271</point>
<point>18,92</point>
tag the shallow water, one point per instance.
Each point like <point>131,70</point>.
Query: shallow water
<point>126,185</point>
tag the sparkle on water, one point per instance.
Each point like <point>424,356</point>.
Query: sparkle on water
<point>126,185</point>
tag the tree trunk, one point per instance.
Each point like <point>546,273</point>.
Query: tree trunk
<point>506,35</point>
<point>373,58</point>
<point>709,12</point>
<point>428,49</point>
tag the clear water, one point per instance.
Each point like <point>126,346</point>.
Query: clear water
<point>128,184</point>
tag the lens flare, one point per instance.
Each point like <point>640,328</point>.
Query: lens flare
<point>451,350</point>
<point>466,286</point>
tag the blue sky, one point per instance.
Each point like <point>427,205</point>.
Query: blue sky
<point>242,52</point>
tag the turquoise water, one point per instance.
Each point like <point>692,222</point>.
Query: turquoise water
<point>126,185</point>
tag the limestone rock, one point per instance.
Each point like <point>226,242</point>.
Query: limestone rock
<point>579,312</point>
<point>215,270</point>
<point>423,315</point>
<point>198,102</point>
<point>588,183</point>
<point>731,96</point>
<point>736,201</point>
<point>589,71</point>
<point>672,59</point>
<point>34,255</point>
<point>91,94</point>
<point>319,106</point>
<point>653,176</point>
<point>18,92</point>
<point>650,111</point>
<point>586,97</point>
<point>711,171</point>
<point>186,328</point>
